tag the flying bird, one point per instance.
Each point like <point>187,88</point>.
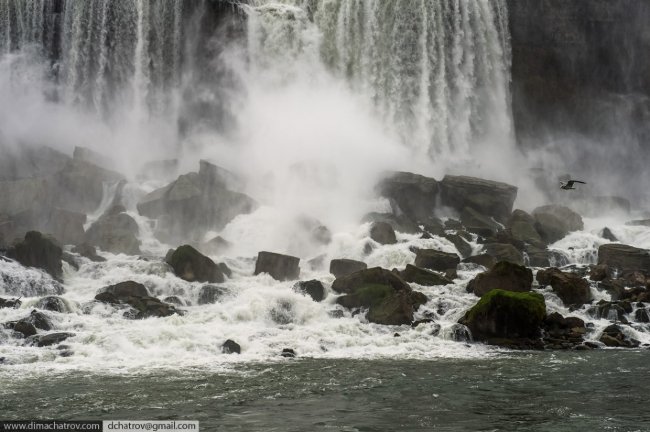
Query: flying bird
<point>569,185</point>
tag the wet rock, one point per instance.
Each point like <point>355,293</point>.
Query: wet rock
<point>523,229</point>
<point>230,347</point>
<point>10,303</point>
<point>288,353</point>
<point>225,269</point>
<point>196,203</point>
<point>390,300</point>
<point>136,296</point>
<point>26,328</point>
<point>127,289</point>
<point>51,339</point>
<point>215,246</point>
<point>462,246</point>
<point>624,257</point>
<point>571,288</point>
<point>175,300</point>
<point>398,223</point>
<point>563,333</point>
<point>116,232</point>
<point>504,276</point>
<point>485,260</point>
<point>343,267</point>
<point>280,267</point>
<point>40,251</point>
<point>106,297</point>
<point>312,288</point>
<point>614,310</point>
<point>436,260</point>
<point>39,320</point>
<point>190,265</point>
<point>459,333</point>
<point>88,251</point>
<point>423,277</point>
<point>504,252</point>
<point>54,304</point>
<point>478,223</point>
<point>410,195</point>
<point>210,294</point>
<point>606,233</point>
<point>383,233</point>
<point>489,198</point>
<point>641,315</point>
<point>554,222</point>
<point>613,336</point>
<point>503,316</point>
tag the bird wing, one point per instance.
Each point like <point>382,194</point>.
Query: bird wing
<point>571,182</point>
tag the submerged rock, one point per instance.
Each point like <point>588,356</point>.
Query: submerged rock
<point>312,288</point>
<point>51,339</point>
<point>24,327</point>
<point>571,288</point>
<point>343,267</point>
<point>53,303</point>
<point>190,265</point>
<point>230,347</point>
<point>280,267</point>
<point>504,276</point>
<point>503,317</point>
<point>10,303</point>
<point>211,294</point>
<point>40,251</point>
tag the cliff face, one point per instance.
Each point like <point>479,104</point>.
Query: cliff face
<point>580,66</point>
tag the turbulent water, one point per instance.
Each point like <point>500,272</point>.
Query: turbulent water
<point>308,100</point>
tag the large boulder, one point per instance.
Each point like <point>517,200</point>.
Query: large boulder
<point>116,232</point>
<point>136,296</point>
<point>410,195</point>
<point>554,222</point>
<point>505,276</point>
<point>311,288</point>
<point>190,265</point>
<point>506,315</point>
<point>436,260</point>
<point>489,198</point>
<point>504,252</point>
<point>423,277</point>
<point>280,267</point>
<point>195,203</point>
<point>477,223</point>
<point>383,233</point>
<point>343,267</point>
<point>624,257</point>
<point>389,299</point>
<point>40,251</point>
<point>614,336</point>
<point>54,304</point>
<point>522,228</point>
<point>485,260</point>
<point>570,287</point>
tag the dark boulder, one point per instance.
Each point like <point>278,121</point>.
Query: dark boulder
<point>423,277</point>
<point>24,327</point>
<point>312,288</point>
<point>39,320</point>
<point>136,295</point>
<point>624,257</point>
<point>611,310</point>
<point>563,333</point>
<point>398,223</point>
<point>436,260</point>
<point>176,301</point>
<point>389,299</point>
<point>106,297</point>
<point>613,336</point>
<point>54,304</point>
<point>641,315</point>
<point>343,267</point>
<point>569,287</point>
<point>126,289</point>
<point>288,353</point>
<point>40,251</point>
<point>607,234</point>
<point>116,232</point>
<point>210,294</point>
<point>51,339</point>
<point>10,303</point>
<point>383,233</point>
<point>88,251</point>
<point>485,260</point>
<point>554,222</point>
<point>486,197</point>
<point>462,246</point>
<point>504,252</point>
<point>477,223</point>
<point>522,228</point>
<point>190,265</point>
<point>230,347</point>
<point>504,276</point>
<point>280,267</point>
<point>506,315</point>
<point>410,195</point>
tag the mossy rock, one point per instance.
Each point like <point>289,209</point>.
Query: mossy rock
<point>506,314</point>
<point>190,265</point>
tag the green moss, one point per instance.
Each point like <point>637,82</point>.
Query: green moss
<point>532,304</point>
<point>372,294</point>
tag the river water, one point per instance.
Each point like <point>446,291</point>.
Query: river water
<point>604,390</point>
